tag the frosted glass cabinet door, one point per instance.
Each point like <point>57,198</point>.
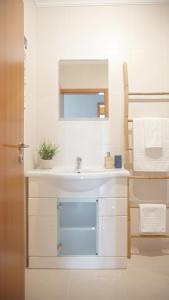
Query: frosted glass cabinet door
<point>42,236</point>
<point>77,227</point>
<point>113,236</point>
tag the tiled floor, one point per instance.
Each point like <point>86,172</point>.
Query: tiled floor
<point>146,278</point>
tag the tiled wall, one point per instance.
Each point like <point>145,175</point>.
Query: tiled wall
<point>135,34</point>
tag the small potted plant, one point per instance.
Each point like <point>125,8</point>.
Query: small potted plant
<point>47,151</point>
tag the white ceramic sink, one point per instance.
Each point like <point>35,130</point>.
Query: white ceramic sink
<point>86,180</point>
<point>81,182</point>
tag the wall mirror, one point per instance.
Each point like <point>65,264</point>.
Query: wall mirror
<point>83,89</point>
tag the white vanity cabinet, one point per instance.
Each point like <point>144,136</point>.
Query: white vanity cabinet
<point>42,227</point>
<point>112,226</point>
<point>77,230</point>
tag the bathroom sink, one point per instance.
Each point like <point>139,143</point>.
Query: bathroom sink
<point>72,181</point>
<point>81,182</point>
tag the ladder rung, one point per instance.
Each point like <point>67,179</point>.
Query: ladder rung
<point>148,177</point>
<point>148,94</point>
<point>136,205</point>
<point>141,235</point>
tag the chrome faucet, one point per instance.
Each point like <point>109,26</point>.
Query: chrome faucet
<point>78,164</point>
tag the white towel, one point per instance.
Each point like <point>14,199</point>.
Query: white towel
<point>152,218</point>
<point>153,132</point>
<point>152,159</point>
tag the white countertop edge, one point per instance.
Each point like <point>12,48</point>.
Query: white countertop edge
<point>56,173</point>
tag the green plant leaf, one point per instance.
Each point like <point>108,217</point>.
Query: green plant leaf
<point>47,150</point>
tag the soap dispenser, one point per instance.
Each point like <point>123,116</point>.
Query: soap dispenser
<point>108,161</point>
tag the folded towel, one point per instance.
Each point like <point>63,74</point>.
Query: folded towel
<point>150,159</point>
<point>153,132</point>
<point>152,218</point>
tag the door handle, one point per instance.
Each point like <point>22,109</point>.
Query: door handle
<point>22,146</point>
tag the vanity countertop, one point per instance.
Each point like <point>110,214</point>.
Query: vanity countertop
<point>88,173</point>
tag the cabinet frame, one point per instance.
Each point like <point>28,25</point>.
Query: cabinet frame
<point>41,188</point>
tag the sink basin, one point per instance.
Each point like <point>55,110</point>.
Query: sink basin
<point>81,182</point>
<point>84,181</point>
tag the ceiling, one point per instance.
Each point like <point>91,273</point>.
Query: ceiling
<point>52,3</point>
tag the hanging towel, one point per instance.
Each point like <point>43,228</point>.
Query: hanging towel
<point>152,218</point>
<point>153,133</point>
<point>150,159</point>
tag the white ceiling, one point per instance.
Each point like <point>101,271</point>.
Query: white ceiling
<point>49,3</point>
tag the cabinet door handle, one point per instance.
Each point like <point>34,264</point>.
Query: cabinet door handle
<point>59,247</point>
<point>112,208</point>
<point>59,205</point>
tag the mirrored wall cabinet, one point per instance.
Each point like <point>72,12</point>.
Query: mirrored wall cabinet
<point>83,89</point>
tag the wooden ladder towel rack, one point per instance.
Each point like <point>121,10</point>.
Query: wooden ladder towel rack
<point>127,99</point>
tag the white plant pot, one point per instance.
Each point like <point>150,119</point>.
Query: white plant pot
<point>46,163</point>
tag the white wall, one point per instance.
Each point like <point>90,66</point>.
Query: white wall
<point>137,35</point>
<point>85,74</point>
<point>30,114</point>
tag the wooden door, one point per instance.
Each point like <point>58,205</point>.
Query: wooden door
<point>11,133</point>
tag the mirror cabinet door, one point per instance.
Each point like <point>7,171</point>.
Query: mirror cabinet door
<point>83,89</point>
